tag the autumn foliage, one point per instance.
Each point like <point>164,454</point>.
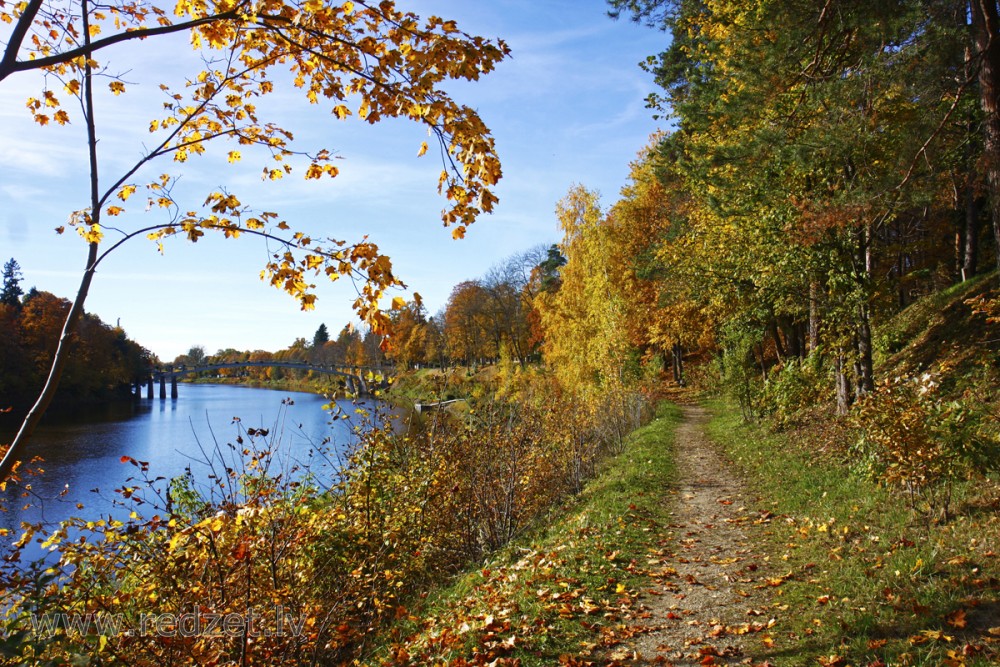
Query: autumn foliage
<point>362,59</point>
<point>310,560</point>
<point>106,362</point>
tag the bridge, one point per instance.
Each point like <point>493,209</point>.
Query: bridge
<point>355,375</point>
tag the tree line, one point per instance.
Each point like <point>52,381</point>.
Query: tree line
<point>104,362</point>
<point>483,319</point>
<point>828,164</point>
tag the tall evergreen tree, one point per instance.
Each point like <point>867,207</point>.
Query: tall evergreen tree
<point>12,292</point>
<point>321,337</point>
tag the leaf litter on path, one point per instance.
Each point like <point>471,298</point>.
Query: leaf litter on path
<point>708,604</point>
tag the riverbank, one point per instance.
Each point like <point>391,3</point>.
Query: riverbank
<point>405,513</point>
<point>322,387</point>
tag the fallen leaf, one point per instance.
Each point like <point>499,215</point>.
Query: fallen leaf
<point>956,619</point>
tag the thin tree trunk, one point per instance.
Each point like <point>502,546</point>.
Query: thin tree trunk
<point>969,261</point>
<point>970,255</point>
<point>866,380</point>
<point>843,390</point>
<point>813,315</point>
<point>863,371</point>
<point>15,453</point>
<point>678,354</point>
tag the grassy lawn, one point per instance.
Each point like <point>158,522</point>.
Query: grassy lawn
<point>868,580</point>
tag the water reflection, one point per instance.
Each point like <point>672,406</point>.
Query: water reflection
<point>83,461</point>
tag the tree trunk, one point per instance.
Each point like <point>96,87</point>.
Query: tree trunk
<point>779,349</point>
<point>986,36</point>
<point>678,355</point>
<point>15,453</point>
<point>864,375</point>
<point>763,365</point>
<point>789,330</point>
<point>866,380</point>
<point>843,386</point>
<point>970,254</point>
<point>814,288</point>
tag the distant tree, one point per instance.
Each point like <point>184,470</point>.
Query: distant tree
<point>370,352</point>
<point>321,336</point>
<point>548,269</point>
<point>11,292</point>
<point>435,343</point>
<point>466,323</point>
<point>409,334</point>
<point>196,355</point>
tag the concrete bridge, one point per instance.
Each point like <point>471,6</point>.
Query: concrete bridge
<point>354,375</point>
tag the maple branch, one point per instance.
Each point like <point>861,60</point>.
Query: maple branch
<point>19,33</point>
<point>9,65</point>
<point>162,149</point>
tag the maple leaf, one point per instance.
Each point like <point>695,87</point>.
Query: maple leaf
<point>832,661</point>
<point>956,619</point>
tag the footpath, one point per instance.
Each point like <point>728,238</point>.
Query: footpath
<point>710,601</point>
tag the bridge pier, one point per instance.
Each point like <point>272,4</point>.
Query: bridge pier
<point>149,388</point>
<point>173,386</point>
<point>163,387</point>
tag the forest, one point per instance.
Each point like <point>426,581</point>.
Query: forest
<point>105,363</point>
<point>796,291</point>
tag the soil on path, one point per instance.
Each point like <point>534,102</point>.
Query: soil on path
<point>709,602</point>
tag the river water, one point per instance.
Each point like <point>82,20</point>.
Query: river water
<point>83,456</point>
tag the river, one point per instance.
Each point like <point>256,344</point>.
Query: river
<point>83,456</point>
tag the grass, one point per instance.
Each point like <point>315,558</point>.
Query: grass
<point>567,589</point>
<point>870,581</point>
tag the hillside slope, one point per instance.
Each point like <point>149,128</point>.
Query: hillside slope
<point>944,335</point>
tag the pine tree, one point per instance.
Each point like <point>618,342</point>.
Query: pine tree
<point>321,337</point>
<point>12,292</point>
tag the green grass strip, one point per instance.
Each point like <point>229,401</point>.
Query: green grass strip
<point>871,582</point>
<point>562,589</point>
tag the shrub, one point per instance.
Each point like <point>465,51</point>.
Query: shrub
<point>913,439</point>
<point>300,566</point>
<point>795,386</point>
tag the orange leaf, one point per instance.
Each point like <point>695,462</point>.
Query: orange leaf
<point>956,619</point>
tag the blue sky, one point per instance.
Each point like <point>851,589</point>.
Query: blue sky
<point>567,107</point>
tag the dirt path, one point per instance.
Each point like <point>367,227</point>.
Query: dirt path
<point>707,606</point>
